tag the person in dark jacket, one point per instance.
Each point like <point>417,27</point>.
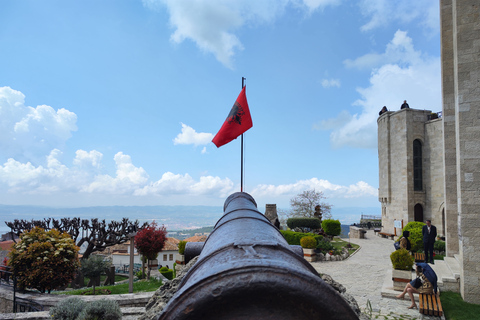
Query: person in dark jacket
<point>429,233</point>
<point>404,242</point>
<point>405,105</point>
<point>426,278</point>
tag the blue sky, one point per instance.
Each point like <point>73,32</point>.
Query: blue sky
<point>116,102</point>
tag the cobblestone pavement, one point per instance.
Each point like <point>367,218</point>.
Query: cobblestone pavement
<point>363,275</point>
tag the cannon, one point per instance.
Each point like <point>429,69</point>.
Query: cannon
<point>247,270</point>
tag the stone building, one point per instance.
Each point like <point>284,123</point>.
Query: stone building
<point>430,168</point>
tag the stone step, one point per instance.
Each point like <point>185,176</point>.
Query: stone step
<point>453,265</point>
<point>446,279</point>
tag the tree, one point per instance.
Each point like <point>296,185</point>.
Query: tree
<point>97,234</point>
<point>93,267</point>
<point>44,260</point>
<point>303,205</point>
<point>150,241</point>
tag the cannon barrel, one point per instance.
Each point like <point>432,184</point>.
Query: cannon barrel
<point>247,270</point>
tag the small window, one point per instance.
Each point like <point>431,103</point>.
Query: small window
<point>164,257</point>
<point>171,256</point>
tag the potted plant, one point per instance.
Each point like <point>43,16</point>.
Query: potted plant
<point>402,262</point>
<point>309,244</point>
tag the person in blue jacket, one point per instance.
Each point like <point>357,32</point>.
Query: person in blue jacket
<point>419,284</point>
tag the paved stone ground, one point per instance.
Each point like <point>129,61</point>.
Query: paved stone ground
<point>363,275</point>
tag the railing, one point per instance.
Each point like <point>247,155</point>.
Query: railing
<point>370,217</point>
<point>7,278</point>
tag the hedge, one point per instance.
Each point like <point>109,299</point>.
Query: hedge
<point>312,223</point>
<point>294,237</point>
<point>332,227</point>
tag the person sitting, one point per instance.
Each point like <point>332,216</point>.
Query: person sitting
<point>384,109</point>
<point>405,105</point>
<point>426,282</point>
<point>404,242</point>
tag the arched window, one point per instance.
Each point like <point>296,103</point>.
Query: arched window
<point>417,166</point>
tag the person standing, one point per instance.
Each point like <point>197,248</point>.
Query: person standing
<point>429,233</point>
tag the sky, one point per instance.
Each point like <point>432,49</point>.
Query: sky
<point>116,102</point>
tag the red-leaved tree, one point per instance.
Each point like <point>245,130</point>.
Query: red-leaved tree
<point>150,241</point>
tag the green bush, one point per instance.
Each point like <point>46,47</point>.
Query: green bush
<point>67,309</point>
<point>324,245</point>
<point>181,247</point>
<point>312,223</point>
<point>166,272</point>
<point>332,227</point>
<point>140,274</point>
<point>101,310</point>
<point>308,242</point>
<point>402,259</point>
<point>293,238</point>
<point>439,245</point>
<point>416,237</point>
<point>44,260</point>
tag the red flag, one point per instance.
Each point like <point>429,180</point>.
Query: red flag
<point>237,122</point>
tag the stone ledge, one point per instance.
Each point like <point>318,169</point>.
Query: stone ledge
<point>128,313</point>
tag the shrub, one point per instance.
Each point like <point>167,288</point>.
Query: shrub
<point>332,227</point>
<point>101,309</point>
<point>44,260</point>
<point>166,272</point>
<point>416,237</point>
<point>293,238</point>
<point>312,223</point>
<point>181,247</point>
<point>308,242</point>
<point>439,245</point>
<point>402,259</point>
<point>67,309</point>
<point>140,274</point>
<point>324,245</point>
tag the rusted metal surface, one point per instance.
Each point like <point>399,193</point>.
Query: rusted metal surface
<point>246,270</point>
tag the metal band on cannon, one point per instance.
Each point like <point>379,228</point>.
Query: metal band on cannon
<point>247,270</point>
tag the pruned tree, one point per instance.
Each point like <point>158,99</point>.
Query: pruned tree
<point>93,267</point>
<point>150,241</point>
<point>303,205</point>
<point>96,234</point>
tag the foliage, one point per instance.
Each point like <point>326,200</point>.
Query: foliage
<point>44,260</point>
<point>332,227</point>
<point>324,245</point>
<point>138,286</point>
<point>174,270</point>
<point>439,245</point>
<point>416,237</point>
<point>181,247</point>
<point>67,309</point>
<point>402,259</point>
<point>140,274</point>
<point>166,272</point>
<point>97,234</point>
<point>293,238</point>
<point>101,310</point>
<point>150,241</point>
<point>303,205</point>
<point>308,242</point>
<point>94,266</point>
<point>456,308</point>
<point>312,223</point>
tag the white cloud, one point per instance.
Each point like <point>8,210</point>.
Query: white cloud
<point>384,12</point>
<point>406,75</point>
<point>212,24</point>
<point>88,159</point>
<point>27,133</point>
<point>358,190</point>
<point>190,136</point>
<point>328,83</point>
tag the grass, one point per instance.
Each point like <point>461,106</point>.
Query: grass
<point>339,244</point>
<point>457,309</point>
<point>139,286</point>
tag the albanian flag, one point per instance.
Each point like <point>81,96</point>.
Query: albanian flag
<point>237,122</point>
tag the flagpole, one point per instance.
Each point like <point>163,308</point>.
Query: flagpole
<point>241,152</point>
